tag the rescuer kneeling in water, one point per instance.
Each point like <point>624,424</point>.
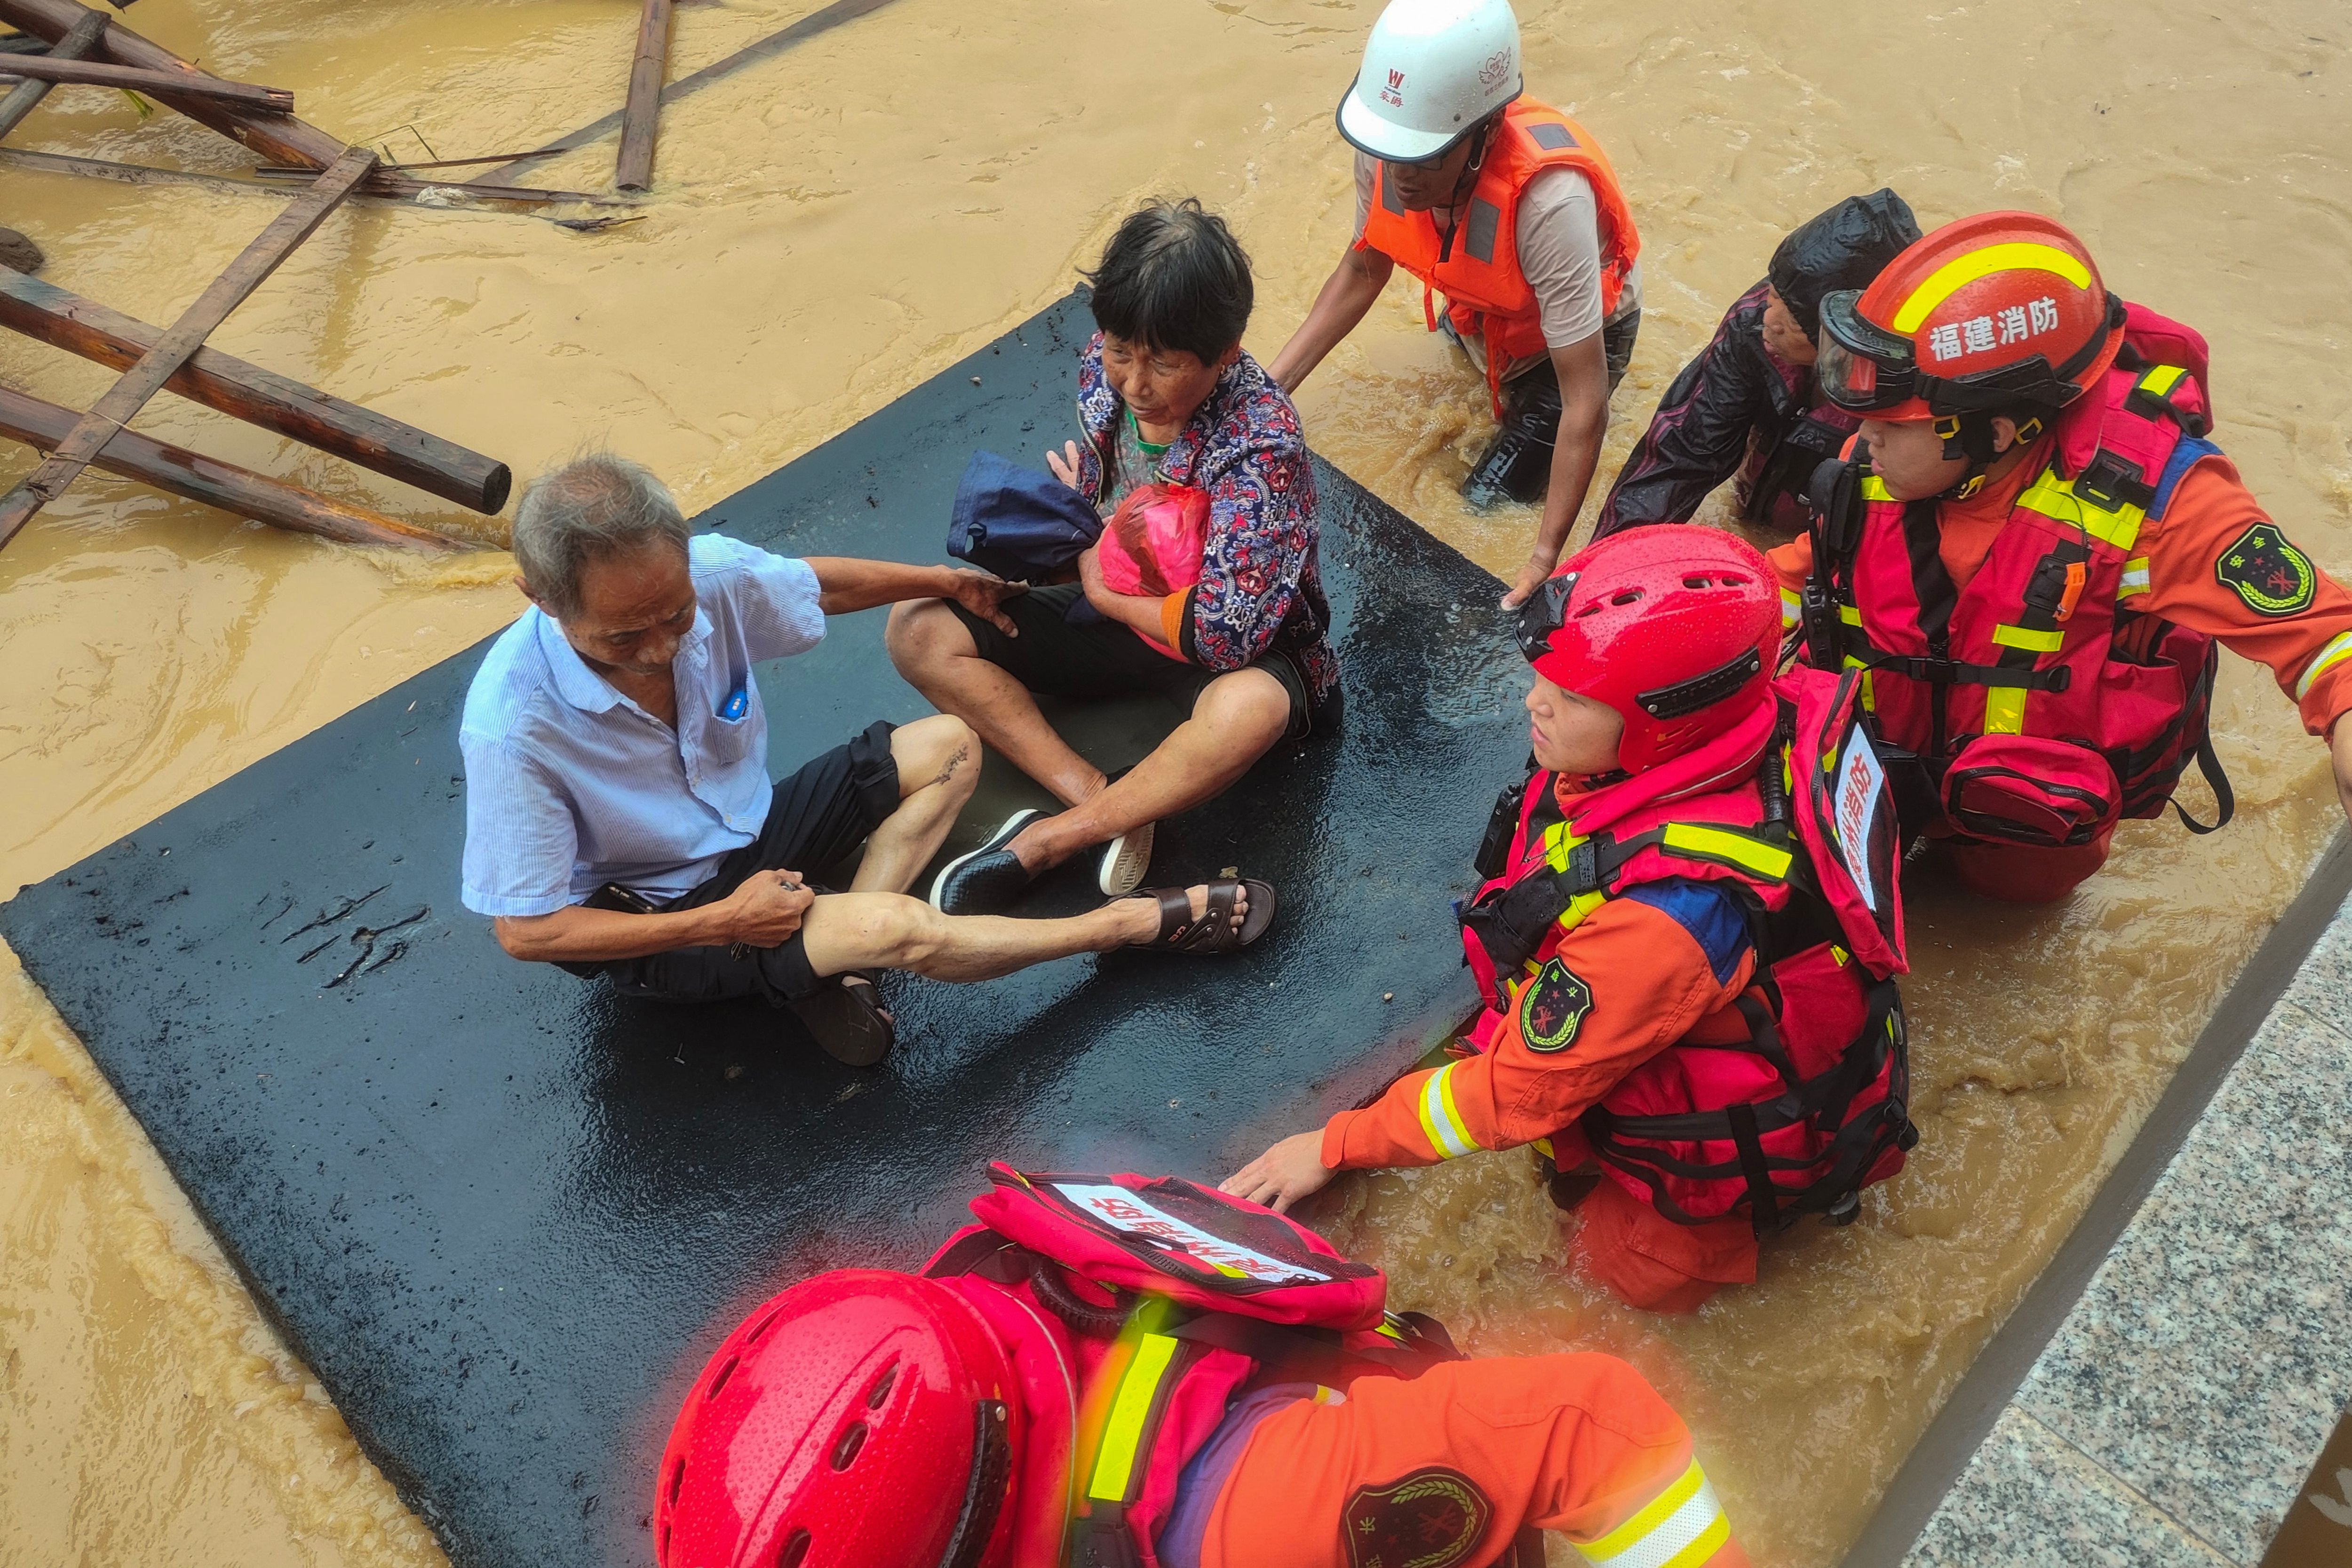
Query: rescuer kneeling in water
<point>1510,210</point>
<point>1687,938</point>
<point>2037,551</point>
<point>1111,1371</point>
<point>619,816</point>
<point>1748,409</point>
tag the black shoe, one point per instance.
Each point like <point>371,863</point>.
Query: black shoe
<point>846,1020</point>
<point>988,878</point>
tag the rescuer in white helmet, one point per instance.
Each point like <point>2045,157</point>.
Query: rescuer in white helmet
<point>1510,212</point>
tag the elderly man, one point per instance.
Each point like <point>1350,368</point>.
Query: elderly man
<point>619,818</point>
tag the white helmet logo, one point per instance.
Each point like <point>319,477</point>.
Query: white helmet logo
<point>1493,69</point>
<point>1393,94</point>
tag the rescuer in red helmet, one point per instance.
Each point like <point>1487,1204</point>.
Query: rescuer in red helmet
<point>1138,1372</point>
<point>1687,938</point>
<point>2037,551</point>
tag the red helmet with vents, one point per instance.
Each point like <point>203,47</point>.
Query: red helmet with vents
<point>861,1420</point>
<point>1676,626</point>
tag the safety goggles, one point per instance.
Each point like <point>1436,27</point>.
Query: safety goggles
<point>1861,367</point>
<point>1541,614</point>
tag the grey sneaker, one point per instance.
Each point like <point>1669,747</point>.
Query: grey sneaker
<point>985,880</point>
<point>1124,861</point>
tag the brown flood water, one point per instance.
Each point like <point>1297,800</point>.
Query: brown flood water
<point>832,227</point>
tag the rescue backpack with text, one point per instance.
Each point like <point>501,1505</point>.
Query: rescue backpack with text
<point>1033,1396</point>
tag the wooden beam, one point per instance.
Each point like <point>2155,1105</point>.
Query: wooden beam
<point>823,19</point>
<point>128,396</point>
<point>66,320</point>
<point>133,79</point>
<point>43,426</point>
<point>279,138</point>
<point>27,95</point>
<point>641,119</point>
<point>144,174</point>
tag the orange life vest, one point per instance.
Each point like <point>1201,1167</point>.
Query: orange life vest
<point>1476,262</point>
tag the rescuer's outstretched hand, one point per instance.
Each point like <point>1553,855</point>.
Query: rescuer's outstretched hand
<point>2339,748</point>
<point>1291,1170</point>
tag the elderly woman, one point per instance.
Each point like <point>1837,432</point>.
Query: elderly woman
<point>619,817</point>
<point>1166,397</point>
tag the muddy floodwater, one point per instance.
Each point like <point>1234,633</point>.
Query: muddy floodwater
<point>834,225</point>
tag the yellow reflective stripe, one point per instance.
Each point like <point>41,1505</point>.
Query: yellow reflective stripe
<point>1764,859</point>
<point>1956,275</point>
<point>2026,637</point>
<point>2055,499</point>
<point>1792,607</point>
<point>1680,1528</point>
<point>2162,379</point>
<point>2338,648</point>
<point>2135,576</point>
<point>1873,488</point>
<point>1441,1119</point>
<point>2005,710</point>
<point>1115,1460</point>
<point>1850,614</point>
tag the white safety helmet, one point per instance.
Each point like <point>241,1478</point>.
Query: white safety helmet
<point>1433,71</point>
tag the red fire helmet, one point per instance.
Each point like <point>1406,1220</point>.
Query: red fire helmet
<point>1986,313</point>
<point>861,1420</point>
<point>1676,626</point>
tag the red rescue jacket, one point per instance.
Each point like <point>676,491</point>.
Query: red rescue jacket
<point>1809,1109</point>
<point>1476,262</point>
<point>2036,704</point>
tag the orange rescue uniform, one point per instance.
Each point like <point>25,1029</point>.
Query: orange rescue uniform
<point>1579,1444</point>
<point>1653,986</point>
<point>2309,652</point>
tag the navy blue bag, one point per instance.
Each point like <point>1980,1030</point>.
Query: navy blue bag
<point>1021,524</point>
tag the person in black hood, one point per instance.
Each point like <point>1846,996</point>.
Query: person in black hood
<point>1747,407</point>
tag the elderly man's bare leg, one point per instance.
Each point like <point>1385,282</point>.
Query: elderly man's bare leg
<point>939,765</point>
<point>850,931</point>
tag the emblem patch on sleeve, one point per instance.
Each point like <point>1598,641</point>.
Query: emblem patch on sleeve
<point>2271,575</point>
<point>1431,1518</point>
<point>1552,1008</point>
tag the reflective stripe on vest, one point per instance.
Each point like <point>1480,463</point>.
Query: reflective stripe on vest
<point>1139,1385</point>
<point>1441,1119</point>
<point>2338,648</point>
<point>1682,1527</point>
<point>2135,576</point>
<point>1725,847</point>
<point>2055,499</point>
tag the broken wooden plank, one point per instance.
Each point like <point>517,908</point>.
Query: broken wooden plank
<point>823,19</point>
<point>43,426</point>
<point>146,174</point>
<point>27,95</point>
<point>135,78</point>
<point>143,381</point>
<point>281,138</point>
<point>66,320</point>
<point>641,117</point>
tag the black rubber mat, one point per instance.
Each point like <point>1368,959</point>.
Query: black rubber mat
<point>505,1215</point>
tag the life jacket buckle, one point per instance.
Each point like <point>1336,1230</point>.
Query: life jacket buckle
<point>2111,483</point>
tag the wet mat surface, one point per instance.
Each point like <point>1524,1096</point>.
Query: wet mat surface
<point>504,1215</point>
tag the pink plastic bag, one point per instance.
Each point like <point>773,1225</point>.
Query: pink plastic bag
<point>1152,545</point>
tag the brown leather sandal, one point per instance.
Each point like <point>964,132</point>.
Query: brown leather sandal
<point>1213,931</point>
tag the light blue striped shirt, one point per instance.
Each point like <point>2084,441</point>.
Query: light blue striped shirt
<point>570,785</point>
